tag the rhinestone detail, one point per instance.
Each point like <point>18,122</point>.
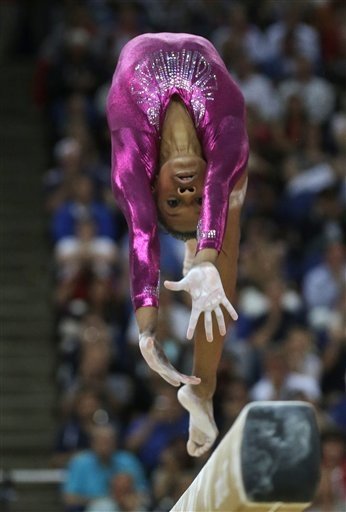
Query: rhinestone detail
<point>159,72</point>
<point>153,290</point>
<point>202,235</point>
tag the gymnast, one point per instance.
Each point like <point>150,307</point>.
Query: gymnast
<point>179,155</point>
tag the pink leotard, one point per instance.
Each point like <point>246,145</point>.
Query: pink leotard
<point>151,69</point>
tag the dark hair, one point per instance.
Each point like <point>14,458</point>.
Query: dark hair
<point>333,434</point>
<point>179,235</point>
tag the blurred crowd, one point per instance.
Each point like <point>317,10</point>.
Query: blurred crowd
<point>121,433</point>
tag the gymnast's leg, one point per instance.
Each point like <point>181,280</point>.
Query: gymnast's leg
<point>198,399</point>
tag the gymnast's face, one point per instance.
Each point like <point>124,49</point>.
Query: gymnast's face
<point>178,191</point>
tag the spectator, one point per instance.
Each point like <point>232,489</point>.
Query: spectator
<point>74,435</point>
<point>75,70</point>
<point>313,91</point>
<point>326,219</point>
<point>257,89</point>
<point>90,473</point>
<point>329,18</point>
<point>334,358</point>
<point>302,356</point>
<point>289,37</point>
<point>173,462</point>
<point>149,434</point>
<point>168,14</point>
<point>203,16</point>
<point>278,383</point>
<point>82,205</point>
<point>239,37</point>
<point>337,412</point>
<point>94,372</point>
<point>331,494</point>
<point>323,285</point>
<point>308,174</point>
<point>123,497</point>
<point>77,336</point>
<point>58,181</point>
<point>128,25</point>
<point>281,311</point>
<point>293,126</point>
<point>235,398</point>
<point>85,251</point>
<point>262,243</point>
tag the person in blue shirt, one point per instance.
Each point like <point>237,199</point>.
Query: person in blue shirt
<point>150,434</point>
<point>82,205</point>
<point>89,473</point>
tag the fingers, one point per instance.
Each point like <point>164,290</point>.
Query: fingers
<point>226,303</point>
<point>170,380</point>
<point>186,379</point>
<point>220,320</point>
<point>192,324</point>
<point>208,325</point>
<point>159,364</point>
<point>175,378</point>
<point>145,343</point>
<point>175,286</point>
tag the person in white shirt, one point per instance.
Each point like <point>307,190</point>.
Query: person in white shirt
<point>257,89</point>
<point>278,383</point>
<point>324,284</point>
<point>316,93</point>
<point>239,35</point>
<point>291,36</point>
<point>85,249</point>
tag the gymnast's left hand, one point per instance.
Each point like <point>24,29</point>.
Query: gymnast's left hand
<point>204,284</point>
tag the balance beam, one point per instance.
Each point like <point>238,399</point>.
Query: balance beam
<point>267,462</point>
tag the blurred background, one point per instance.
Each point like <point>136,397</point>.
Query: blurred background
<point>75,390</point>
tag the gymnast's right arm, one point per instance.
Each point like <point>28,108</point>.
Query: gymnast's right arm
<point>132,191</point>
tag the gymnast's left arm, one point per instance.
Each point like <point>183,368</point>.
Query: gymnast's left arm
<point>226,149</point>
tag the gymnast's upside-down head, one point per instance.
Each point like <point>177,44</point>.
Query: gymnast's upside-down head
<point>178,192</point>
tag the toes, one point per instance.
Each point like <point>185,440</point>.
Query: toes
<point>191,448</point>
<point>202,449</point>
<point>196,450</point>
<point>198,442</point>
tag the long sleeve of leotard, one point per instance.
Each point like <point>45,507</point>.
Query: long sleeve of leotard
<point>226,149</point>
<point>132,190</point>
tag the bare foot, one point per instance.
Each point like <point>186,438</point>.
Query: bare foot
<point>203,430</point>
<point>157,360</point>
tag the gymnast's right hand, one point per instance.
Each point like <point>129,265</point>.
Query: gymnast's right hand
<point>204,284</point>
<point>157,360</point>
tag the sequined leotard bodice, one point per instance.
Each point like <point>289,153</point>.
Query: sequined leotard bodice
<point>151,69</point>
